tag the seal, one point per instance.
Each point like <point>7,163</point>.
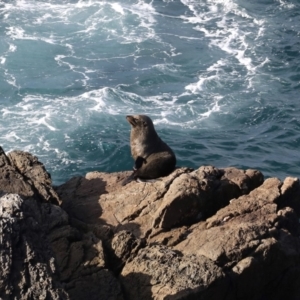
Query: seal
<point>153,157</point>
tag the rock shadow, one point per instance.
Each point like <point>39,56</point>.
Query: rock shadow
<point>80,198</point>
<point>89,263</point>
<point>136,286</point>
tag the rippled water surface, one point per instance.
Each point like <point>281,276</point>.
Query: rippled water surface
<point>219,78</point>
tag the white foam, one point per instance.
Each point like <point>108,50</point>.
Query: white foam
<point>118,8</point>
<point>12,136</point>
<point>215,108</point>
<point>42,19</point>
<point>11,79</point>
<point>43,121</point>
<point>12,48</point>
<point>200,85</point>
<point>285,4</point>
<point>18,33</point>
<point>15,32</point>
<point>230,35</point>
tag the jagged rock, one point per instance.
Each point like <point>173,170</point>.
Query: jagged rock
<point>158,272</point>
<point>11,181</point>
<point>81,260</point>
<point>257,244</point>
<point>35,173</point>
<point>170,237</point>
<point>28,268</point>
<point>124,246</point>
<point>197,195</point>
<point>43,257</point>
<point>290,191</point>
<point>21,173</point>
<point>204,234</point>
<point>182,198</point>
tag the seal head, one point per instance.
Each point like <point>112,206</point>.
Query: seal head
<point>153,157</point>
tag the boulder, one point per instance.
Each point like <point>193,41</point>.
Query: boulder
<point>157,272</point>
<point>35,174</point>
<point>21,173</point>
<point>182,198</point>
<point>124,247</point>
<point>11,180</point>
<point>28,269</point>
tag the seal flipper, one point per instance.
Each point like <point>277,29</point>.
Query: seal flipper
<point>139,162</point>
<point>128,179</point>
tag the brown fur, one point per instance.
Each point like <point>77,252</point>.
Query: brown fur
<point>158,159</point>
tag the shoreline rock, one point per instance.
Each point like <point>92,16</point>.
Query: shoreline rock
<point>196,234</point>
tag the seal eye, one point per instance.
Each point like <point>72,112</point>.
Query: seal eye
<point>145,124</point>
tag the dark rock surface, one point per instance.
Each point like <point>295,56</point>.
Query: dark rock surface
<point>21,173</point>
<point>28,269</point>
<point>196,234</point>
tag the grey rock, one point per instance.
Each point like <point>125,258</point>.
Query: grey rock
<point>158,272</point>
<point>21,173</point>
<point>28,268</point>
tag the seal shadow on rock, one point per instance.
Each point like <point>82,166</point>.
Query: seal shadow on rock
<point>153,157</point>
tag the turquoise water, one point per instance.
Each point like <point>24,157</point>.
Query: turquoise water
<point>219,78</point>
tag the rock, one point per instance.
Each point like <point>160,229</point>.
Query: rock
<point>197,195</point>
<point>158,272</point>
<point>203,234</point>
<point>81,260</point>
<point>11,181</point>
<point>44,257</point>
<point>100,198</point>
<point>124,246</point>
<point>35,173</point>
<point>290,191</point>
<point>28,268</point>
<point>170,237</point>
<point>257,245</point>
<point>21,173</point>
<point>182,198</point>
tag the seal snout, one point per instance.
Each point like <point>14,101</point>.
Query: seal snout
<point>131,120</point>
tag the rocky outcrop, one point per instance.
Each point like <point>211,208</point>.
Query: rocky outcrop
<point>182,198</point>
<point>196,234</point>
<point>157,272</point>
<point>42,255</point>
<point>247,250</point>
<point>21,173</point>
<point>28,268</point>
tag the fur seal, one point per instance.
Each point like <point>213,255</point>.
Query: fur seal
<point>153,157</point>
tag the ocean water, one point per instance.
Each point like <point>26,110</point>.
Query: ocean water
<point>219,78</point>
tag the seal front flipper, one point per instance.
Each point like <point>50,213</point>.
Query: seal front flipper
<point>128,179</point>
<point>139,162</point>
